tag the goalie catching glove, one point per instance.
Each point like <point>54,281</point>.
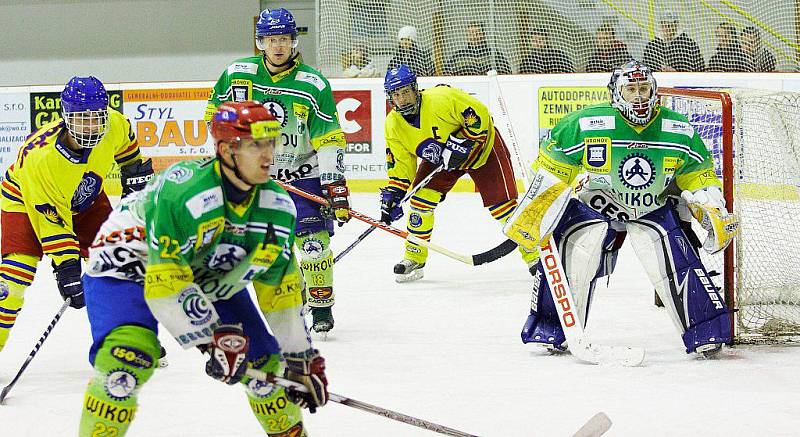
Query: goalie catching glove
<point>338,196</point>
<point>708,208</point>
<point>308,369</point>
<point>228,354</point>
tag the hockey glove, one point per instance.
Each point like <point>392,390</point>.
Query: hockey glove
<point>708,208</point>
<point>135,176</point>
<point>308,370</point>
<point>338,196</point>
<point>391,209</point>
<point>456,151</point>
<point>228,352</point>
<point>68,277</point>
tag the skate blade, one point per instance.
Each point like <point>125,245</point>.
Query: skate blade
<point>410,277</point>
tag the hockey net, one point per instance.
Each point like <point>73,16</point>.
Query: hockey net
<point>570,26</point>
<point>754,136</point>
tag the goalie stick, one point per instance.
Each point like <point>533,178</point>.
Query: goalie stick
<point>579,344</point>
<point>490,255</point>
<point>405,199</point>
<point>36,348</point>
<point>596,426</point>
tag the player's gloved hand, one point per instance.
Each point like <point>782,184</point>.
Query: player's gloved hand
<point>308,370</point>
<point>708,208</point>
<point>135,176</point>
<point>68,277</point>
<point>228,350</point>
<point>338,196</point>
<point>391,209</point>
<point>456,151</point>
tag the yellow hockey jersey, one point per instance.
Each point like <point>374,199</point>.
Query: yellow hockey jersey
<point>49,182</point>
<point>443,111</point>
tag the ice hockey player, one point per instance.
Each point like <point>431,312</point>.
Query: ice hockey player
<point>53,199</point>
<point>310,152</point>
<point>635,160</point>
<point>181,254</point>
<point>446,127</point>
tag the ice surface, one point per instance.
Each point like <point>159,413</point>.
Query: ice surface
<point>445,349</point>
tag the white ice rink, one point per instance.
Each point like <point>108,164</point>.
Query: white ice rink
<point>445,349</point>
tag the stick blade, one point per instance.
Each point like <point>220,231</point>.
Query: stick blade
<point>594,427</point>
<point>4,393</point>
<point>626,356</point>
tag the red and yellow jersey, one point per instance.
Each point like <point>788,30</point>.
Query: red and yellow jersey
<point>49,182</point>
<point>443,111</point>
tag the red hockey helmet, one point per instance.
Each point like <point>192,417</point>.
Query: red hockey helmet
<point>235,121</point>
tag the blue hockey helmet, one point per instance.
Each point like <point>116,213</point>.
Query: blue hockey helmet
<point>272,22</point>
<point>396,79</point>
<point>626,86</point>
<point>84,107</point>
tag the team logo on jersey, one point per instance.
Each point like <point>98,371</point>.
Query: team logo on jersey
<point>120,384</point>
<point>3,290</point>
<point>49,212</point>
<point>597,153</point>
<point>637,171</point>
<point>225,258</point>
<point>389,159</point>
<point>277,109</point>
<point>471,118</point>
<point>241,90</point>
<point>313,248</point>
<point>179,175</point>
<point>194,306</point>
<point>87,191</point>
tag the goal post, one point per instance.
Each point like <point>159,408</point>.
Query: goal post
<point>754,137</point>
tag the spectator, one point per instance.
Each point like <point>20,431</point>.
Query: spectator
<point>476,57</point>
<point>729,56</point>
<point>609,53</point>
<point>542,58</point>
<point>410,54</point>
<point>763,60</point>
<point>673,51</point>
<point>359,64</point>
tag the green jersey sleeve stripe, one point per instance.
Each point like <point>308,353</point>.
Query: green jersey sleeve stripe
<point>296,93</point>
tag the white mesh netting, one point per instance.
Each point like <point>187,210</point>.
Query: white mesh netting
<point>767,201</point>
<point>540,36</point>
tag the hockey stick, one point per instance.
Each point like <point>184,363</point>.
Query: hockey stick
<point>490,255</point>
<point>36,348</point>
<point>405,199</point>
<point>512,136</point>
<point>578,343</point>
<point>363,406</point>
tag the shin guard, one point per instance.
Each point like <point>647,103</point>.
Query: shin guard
<point>680,279</point>
<point>16,274</point>
<point>420,222</point>
<point>316,262</point>
<point>124,362</point>
<point>277,415</point>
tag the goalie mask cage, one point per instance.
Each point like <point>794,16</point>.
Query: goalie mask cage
<point>754,137</point>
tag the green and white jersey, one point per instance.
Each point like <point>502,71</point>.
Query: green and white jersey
<point>630,169</point>
<point>181,231</point>
<point>312,142</point>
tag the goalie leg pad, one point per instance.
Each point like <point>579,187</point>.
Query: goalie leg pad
<point>125,361</point>
<point>539,211</point>
<point>680,279</point>
<point>316,262</point>
<point>579,236</point>
<point>420,222</point>
<point>16,274</point>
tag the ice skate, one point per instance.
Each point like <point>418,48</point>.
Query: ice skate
<point>408,271</point>
<point>709,351</point>
<point>162,359</point>
<point>322,321</point>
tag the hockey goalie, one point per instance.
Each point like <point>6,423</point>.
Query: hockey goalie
<point>629,168</point>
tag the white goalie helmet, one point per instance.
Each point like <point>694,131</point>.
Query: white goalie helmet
<point>634,92</point>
